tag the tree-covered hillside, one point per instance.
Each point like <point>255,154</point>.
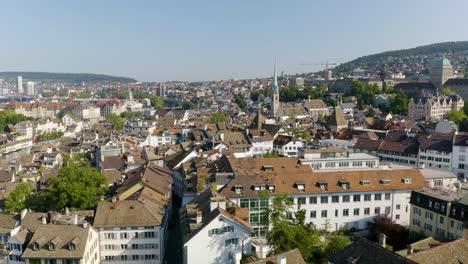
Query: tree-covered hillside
<point>66,77</point>
<point>456,51</point>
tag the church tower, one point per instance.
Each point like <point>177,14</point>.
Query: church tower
<point>275,103</point>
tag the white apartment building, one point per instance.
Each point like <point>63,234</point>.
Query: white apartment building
<point>25,128</point>
<point>460,155</point>
<point>436,152</point>
<point>335,159</point>
<point>332,200</point>
<point>211,234</point>
<point>440,178</point>
<point>163,139</point>
<point>139,126</point>
<point>287,146</point>
<point>132,230</point>
<point>63,244</point>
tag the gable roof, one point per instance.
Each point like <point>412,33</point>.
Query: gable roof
<point>286,172</point>
<point>364,251</point>
<point>292,257</point>
<point>61,235</point>
<point>128,213</point>
<point>454,252</point>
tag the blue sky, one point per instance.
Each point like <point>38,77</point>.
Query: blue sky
<point>217,39</point>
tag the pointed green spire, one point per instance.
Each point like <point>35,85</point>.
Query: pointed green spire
<point>275,81</point>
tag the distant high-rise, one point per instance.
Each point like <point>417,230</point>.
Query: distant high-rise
<point>327,74</point>
<point>441,71</point>
<point>30,91</point>
<point>19,85</point>
<point>161,90</point>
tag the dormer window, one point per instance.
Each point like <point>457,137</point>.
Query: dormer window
<point>239,189</point>
<point>344,184</point>
<point>35,246</point>
<point>384,181</point>
<point>267,167</point>
<point>407,180</point>
<point>271,187</point>
<point>71,247</point>
<point>256,187</point>
<point>323,185</point>
<point>364,182</point>
<point>300,186</point>
<point>51,246</point>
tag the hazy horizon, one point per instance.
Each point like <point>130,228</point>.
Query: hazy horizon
<point>204,40</point>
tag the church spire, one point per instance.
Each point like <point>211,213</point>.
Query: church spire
<point>275,80</point>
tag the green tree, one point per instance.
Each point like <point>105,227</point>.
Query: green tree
<point>187,105</point>
<point>447,91</point>
<point>218,117</point>
<point>397,235</point>
<point>254,95</point>
<point>77,185</point>
<point>49,135</point>
<point>289,231</point>
<point>132,115</point>
<point>456,116</point>
<point>399,103</point>
<point>466,75</point>
<point>240,101</point>
<point>9,117</point>
<point>18,198</point>
<point>156,102</point>
<point>465,107</point>
<point>371,112</point>
<point>463,127</point>
<point>116,121</point>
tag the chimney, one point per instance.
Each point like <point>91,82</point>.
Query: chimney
<point>281,259</point>
<point>409,250</point>
<point>238,257</point>
<point>114,199</point>
<point>85,224</point>
<point>199,217</point>
<point>67,211</point>
<point>382,240</point>
<point>221,136</point>
<point>75,219</point>
<point>23,213</point>
<point>44,220</point>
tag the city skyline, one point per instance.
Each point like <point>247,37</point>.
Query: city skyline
<point>214,41</point>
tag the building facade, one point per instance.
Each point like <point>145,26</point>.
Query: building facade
<point>433,108</point>
<point>438,213</point>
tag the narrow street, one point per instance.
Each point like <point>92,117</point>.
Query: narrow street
<point>174,243</point>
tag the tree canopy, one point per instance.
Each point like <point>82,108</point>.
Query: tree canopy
<point>18,198</point>
<point>116,121</point>
<point>447,91</point>
<point>218,117</point>
<point>78,185</point>
<point>187,105</point>
<point>156,102</point>
<point>49,135</point>
<point>240,101</point>
<point>10,118</point>
<point>289,231</point>
<point>364,93</point>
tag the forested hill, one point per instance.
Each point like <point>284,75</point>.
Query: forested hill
<point>66,77</point>
<point>456,51</point>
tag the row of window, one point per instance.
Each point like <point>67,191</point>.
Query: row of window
<point>132,257</point>
<point>356,212</point>
<point>434,159</point>
<point>127,235</point>
<point>133,246</point>
<point>345,198</point>
<point>216,231</point>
